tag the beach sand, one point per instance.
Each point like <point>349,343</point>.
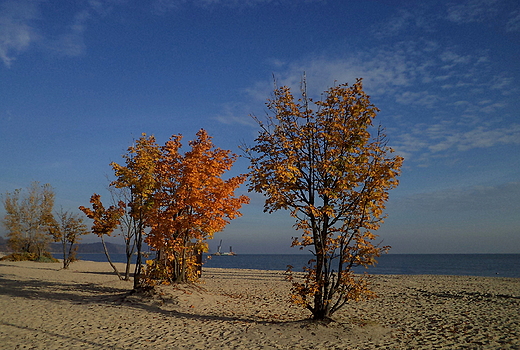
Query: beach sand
<point>87,307</point>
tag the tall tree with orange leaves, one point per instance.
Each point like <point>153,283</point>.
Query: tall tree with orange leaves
<point>192,202</point>
<point>319,160</point>
<point>180,199</point>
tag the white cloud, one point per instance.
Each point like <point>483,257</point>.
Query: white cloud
<point>406,20</point>
<point>420,98</point>
<point>71,43</point>
<point>513,24</point>
<point>163,6</point>
<point>454,58</point>
<point>439,100</point>
<point>425,141</point>
<point>406,72</point>
<point>472,11</point>
<point>17,30</point>
<point>502,83</point>
<point>235,114</point>
<point>482,137</point>
<point>20,30</point>
<point>504,198</point>
<point>456,117</point>
<point>382,70</point>
<point>504,14</point>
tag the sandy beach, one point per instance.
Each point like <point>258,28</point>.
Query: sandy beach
<point>87,307</point>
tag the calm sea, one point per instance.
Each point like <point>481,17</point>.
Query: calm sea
<point>499,265</point>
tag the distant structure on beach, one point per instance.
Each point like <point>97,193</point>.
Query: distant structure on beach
<point>220,253</point>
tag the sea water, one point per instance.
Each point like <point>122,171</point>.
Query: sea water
<point>499,265</point>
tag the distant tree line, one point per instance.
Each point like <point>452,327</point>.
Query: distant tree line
<point>32,224</point>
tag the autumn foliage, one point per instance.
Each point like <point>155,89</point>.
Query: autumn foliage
<point>138,176</point>
<point>319,160</point>
<point>105,221</point>
<point>178,200</point>
<point>28,220</point>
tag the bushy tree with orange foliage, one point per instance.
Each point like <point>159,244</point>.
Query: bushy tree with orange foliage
<point>181,198</point>
<point>319,160</point>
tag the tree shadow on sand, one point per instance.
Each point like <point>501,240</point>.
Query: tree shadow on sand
<point>91,293</point>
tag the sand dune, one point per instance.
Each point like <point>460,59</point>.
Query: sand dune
<point>87,307</point>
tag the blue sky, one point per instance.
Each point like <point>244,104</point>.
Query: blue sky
<point>79,80</point>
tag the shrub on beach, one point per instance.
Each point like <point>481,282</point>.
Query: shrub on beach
<point>46,257</point>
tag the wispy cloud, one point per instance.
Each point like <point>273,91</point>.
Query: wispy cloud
<point>498,12</point>
<point>382,70</point>
<point>423,142</point>
<point>472,11</point>
<point>504,14</point>
<point>20,30</point>
<point>161,6</point>
<point>513,24</point>
<point>405,72</point>
<point>434,94</point>
<point>17,30</point>
<point>406,20</point>
<point>235,113</point>
<point>504,198</point>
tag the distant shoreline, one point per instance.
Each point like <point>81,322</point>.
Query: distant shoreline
<point>486,265</point>
<point>490,265</point>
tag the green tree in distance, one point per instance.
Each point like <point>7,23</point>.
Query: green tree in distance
<point>29,218</point>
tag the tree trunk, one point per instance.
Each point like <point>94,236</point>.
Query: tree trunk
<point>129,253</point>
<point>137,273</point>
<point>128,265</point>
<point>108,258</point>
<point>65,264</point>
<point>321,315</point>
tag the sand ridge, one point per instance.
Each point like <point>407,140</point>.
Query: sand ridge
<point>87,307</point>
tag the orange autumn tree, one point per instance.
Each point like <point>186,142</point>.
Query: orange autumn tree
<point>105,221</point>
<point>180,200</point>
<point>319,160</point>
<point>192,202</point>
<point>138,175</point>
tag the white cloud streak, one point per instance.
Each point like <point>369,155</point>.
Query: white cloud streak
<point>408,78</point>
<point>17,31</point>
<point>486,11</point>
<point>472,11</point>
<point>504,198</point>
<point>164,6</point>
<point>513,24</point>
<point>426,141</point>
<point>237,114</point>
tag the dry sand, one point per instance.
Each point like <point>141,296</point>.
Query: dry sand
<point>87,307</point>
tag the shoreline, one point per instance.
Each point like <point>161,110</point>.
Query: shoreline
<point>87,307</point>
